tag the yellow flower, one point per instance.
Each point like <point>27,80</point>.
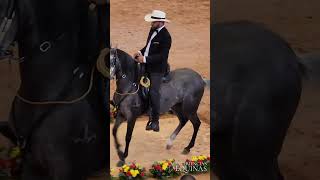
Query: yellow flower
<point>124,166</point>
<point>204,157</point>
<point>134,173</point>
<point>126,169</point>
<point>138,165</point>
<point>171,160</point>
<point>165,166</point>
<point>201,157</point>
<point>161,162</point>
<point>111,171</point>
<point>15,152</point>
<point>194,158</point>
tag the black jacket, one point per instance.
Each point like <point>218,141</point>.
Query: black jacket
<point>157,59</point>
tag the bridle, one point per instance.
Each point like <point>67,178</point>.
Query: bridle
<point>43,48</point>
<point>22,141</point>
<point>117,74</point>
<point>115,66</point>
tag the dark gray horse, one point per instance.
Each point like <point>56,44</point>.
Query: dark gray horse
<point>257,82</point>
<point>59,117</point>
<point>182,94</point>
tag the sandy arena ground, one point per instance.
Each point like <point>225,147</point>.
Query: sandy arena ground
<point>189,29</point>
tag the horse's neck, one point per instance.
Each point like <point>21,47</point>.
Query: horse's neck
<point>126,84</point>
<point>46,74</point>
<point>53,69</point>
<point>46,80</point>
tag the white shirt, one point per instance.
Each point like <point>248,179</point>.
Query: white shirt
<point>146,52</point>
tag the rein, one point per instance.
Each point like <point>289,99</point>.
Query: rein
<point>60,102</point>
<point>128,93</point>
<point>76,99</point>
<point>116,105</point>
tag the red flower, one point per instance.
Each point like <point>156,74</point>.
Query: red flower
<point>158,167</point>
<point>208,158</point>
<point>188,160</point>
<point>2,164</point>
<point>128,173</point>
<point>142,174</point>
<point>133,166</point>
<point>8,164</point>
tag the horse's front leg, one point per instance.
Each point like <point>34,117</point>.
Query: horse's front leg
<point>130,126</point>
<point>118,122</point>
<point>130,114</point>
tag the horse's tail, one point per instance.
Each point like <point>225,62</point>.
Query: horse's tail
<point>206,82</point>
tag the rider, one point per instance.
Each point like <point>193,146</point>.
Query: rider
<point>155,56</point>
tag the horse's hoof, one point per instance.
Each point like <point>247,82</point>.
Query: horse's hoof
<point>169,146</point>
<point>186,151</point>
<point>120,163</point>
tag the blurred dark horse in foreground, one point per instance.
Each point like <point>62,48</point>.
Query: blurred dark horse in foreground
<point>257,83</point>
<point>59,117</point>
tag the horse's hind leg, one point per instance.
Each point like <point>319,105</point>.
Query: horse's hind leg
<point>182,122</point>
<point>196,124</point>
<point>258,135</point>
<point>266,170</point>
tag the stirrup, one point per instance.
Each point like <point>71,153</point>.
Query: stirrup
<point>145,82</point>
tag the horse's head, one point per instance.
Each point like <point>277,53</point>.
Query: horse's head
<point>8,25</point>
<point>39,26</point>
<point>122,65</point>
<point>114,63</point>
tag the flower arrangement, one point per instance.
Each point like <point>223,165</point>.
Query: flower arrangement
<point>197,164</point>
<point>132,171</point>
<point>9,161</point>
<point>112,174</point>
<point>165,169</point>
<point>113,112</point>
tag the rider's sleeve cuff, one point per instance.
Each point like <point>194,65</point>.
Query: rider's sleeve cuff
<point>144,59</point>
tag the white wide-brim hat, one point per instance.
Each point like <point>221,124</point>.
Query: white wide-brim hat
<point>156,15</point>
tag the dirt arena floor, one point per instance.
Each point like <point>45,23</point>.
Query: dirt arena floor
<point>190,32</point>
<point>298,23</point>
